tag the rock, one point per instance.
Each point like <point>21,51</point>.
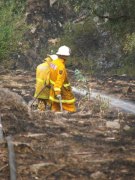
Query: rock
<point>23,92</point>
<point>14,111</point>
<point>127,90</point>
<point>111,114</point>
<point>3,70</point>
<point>113,124</point>
<point>98,175</point>
<point>124,75</point>
<point>126,128</point>
<point>52,2</point>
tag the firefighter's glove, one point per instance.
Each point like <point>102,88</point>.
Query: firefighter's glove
<point>58,96</point>
<point>48,86</point>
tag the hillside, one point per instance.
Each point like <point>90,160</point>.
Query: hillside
<point>38,28</point>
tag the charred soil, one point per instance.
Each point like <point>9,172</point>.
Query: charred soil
<point>79,146</point>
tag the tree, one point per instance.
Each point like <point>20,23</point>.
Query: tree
<point>115,16</point>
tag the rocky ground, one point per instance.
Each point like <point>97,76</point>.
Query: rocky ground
<point>97,142</point>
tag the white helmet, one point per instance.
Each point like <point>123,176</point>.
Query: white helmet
<point>64,51</point>
<point>53,56</point>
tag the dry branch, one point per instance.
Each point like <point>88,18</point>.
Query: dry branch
<point>3,167</point>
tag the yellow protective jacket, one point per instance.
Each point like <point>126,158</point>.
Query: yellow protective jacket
<point>42,79</point>
<point>59,82</point>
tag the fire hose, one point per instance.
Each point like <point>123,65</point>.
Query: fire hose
<point>38,95</point>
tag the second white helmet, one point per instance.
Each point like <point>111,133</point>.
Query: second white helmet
<point>53,56</point>
<point>64,51</point>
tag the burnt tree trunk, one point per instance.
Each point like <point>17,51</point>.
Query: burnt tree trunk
<point>46,19</point>
<point>45,22</point>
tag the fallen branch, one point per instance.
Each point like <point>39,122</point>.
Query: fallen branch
<point>20,144</point>
<point>81,153</point>
<point>127,159</point>
<point>1,130</point>
<point>34,135</point>
<point>35,167</point>
<point>55,171</point>
<point>11,155</point>
<point>3,167</point>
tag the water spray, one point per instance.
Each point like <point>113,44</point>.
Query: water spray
<point>113,101</point>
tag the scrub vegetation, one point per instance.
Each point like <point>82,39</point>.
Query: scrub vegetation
<point>100,33</point>
<point>12,28</point>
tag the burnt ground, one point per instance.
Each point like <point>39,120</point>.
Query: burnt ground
<point>97,142</point>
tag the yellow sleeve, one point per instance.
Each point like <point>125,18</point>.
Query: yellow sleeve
<point>60,79</point>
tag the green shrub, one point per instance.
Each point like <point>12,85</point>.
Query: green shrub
<point>82,38</point>
<point>12,27</point>
<point>128,66</point>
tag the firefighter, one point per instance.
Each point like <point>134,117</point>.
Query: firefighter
<point>60,92</point>
<point>42,88</point>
